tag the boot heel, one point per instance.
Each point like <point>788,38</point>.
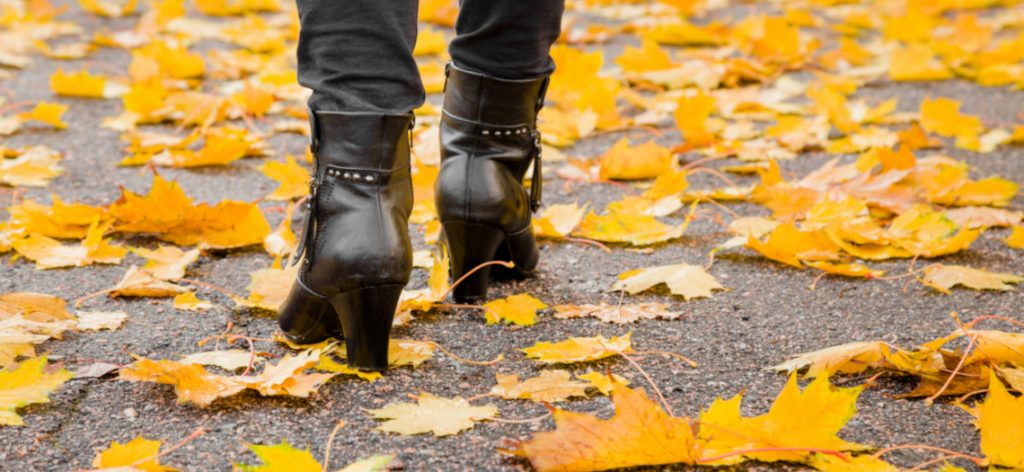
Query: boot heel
<point>470,245</point>
<point>366,315</point>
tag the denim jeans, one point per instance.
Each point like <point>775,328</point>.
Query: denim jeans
<point>356,55</point>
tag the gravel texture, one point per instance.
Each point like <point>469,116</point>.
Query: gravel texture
<point>768,314</point>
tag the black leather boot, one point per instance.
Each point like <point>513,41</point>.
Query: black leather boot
<point>489,138</point>
<point>357,255</point>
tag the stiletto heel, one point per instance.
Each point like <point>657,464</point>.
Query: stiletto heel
<point>366,315</point>
<point>470,245</point>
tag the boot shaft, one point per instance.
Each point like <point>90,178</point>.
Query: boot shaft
<point>368,141</point>
<point>474,97</point>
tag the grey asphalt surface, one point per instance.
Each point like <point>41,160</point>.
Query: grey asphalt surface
<point>768,314</point>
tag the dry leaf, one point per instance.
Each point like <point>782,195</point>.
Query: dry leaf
<point>640,433</point>
<point>1002,433</point>
<point>690,281</point>
<point>520,309</point>
<point>582,349</point>
<point>438,415</point>
<point>617,313</point>
<point>100,320</point>
<point>131,455</point>
<point>549,386</point>
<point>189,302</point>
<point>943,277</point>
<point>849,358</point>
<point>27,383</point>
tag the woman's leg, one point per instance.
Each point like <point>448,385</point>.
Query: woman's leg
<point>489,137</point>
<point>507,39</point>
<point>356,55</point>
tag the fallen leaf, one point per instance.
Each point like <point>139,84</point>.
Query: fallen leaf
<point>690,281</point>
<point>625,162</point>
<point>189,302</point>
<point>602,381</point>
<point>26,384</point>
<point>282,457</point>
<point>51,254</point>
<point>520,309</point>
<point>138,454</point>
<point>292,178</point>
<point>851,358</point>
<point>580,349</point>
<point>808,419</point>
<point>229,359</point>
<point>438,415</point>
<point>100,320</point>
<point>943,277</point>
<point>640,433</point>
<point>549,386</point>
<point>167,262</point>
<point>617,313</point>
<point>1002,433</point>
<point>140,283</point>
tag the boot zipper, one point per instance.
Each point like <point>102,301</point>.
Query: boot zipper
<point>537,179</point>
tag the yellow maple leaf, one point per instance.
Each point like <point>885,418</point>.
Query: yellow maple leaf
<point>430,414</point>
<point>602,381</point>
<point>60,220</point>
<point>640,433</point>
<point>582,349</point>
<point>617,313</point>
<point>854,269</point>
<point>625,162</point>
<point>1016,238</point>
<point>282,241</point>
<point>577,84</point>
<point>282,457</point>
<point>667,184</point>
<point>549,386</point>
<point>1002,433</point>
<point>50,254</point>
<point>142,283</point>
<point>797,419</point>
<point>638,230</point>
<point>49,113</point>
<point>192,383</point>
<point>268,288</point>
<point>83,84</point>
<point>648,57</point>
<point>292,178</point>
<point>558,220</point>
<point>691,115</point>
<point>138,454</point>
<point>851,358</point>
<point>170,214</point>
<point>520,309</point>
<point>402,352</point>
<point>943,277</point>
<point>167,262</point>
<point>687,280</point>
<point>917,62</point>
<point>790,246</point>
<point>942,116</point>
<point>34,167</point>
<point>27,384</point>
<point>189,302</point>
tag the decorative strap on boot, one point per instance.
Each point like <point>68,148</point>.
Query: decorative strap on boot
<point>345,159</point>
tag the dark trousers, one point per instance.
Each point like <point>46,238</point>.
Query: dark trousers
<point>356,55</point>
